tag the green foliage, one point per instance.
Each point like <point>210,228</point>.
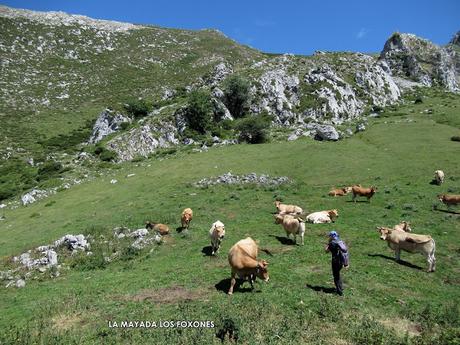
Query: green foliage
<point>198,113</point>
<point>237,95</point>
<point>137,107</point>
<point>105,154</point>
<point>49,169</point>
<point>253,130</point>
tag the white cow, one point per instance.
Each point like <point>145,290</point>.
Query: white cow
<point>216,233</point>
<point>439,177</point>
<point>323,216</point>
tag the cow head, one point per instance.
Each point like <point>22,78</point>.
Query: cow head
<point>384,232</point>
<point>441,197</point>
<point>333,214</point>
<point>277,203</point>
<point>261,270</point>
<point>278,218</point>
<point>149,225</point>
<point>406,226</point>
<point>219,229</point>
<point>347,190</point>
<point>373,189</point>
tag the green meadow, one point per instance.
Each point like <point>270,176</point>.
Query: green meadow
<point>385,302</point>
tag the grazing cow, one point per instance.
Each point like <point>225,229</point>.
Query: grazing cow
<point>361,191</point>
<point>449,199</point>
<point>411,243</point>
<point>439,177</point>
<point>242,258</point>
<point>403,226</point>
<point>186,218</point>
<point>162,229</point>
<point>217,233</point>
<point>292,225</point>
<point>340,192</point>
<point>323,217</point>
<point>288,209</point>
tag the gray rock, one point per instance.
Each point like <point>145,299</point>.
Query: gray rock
<point>252,178</point>
<point>360,127</point>
<point>52,257</point>
<point>34,195</point>
<point>20,283</point>
<point>108,122</point>
<point>324,132</point>
<point>188,141</point>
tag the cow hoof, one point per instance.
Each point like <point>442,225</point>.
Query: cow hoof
<point>230,293</point>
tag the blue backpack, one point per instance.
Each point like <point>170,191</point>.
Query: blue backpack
<point>343,253</point>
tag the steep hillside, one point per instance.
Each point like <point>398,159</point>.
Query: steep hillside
<point>68,83</point>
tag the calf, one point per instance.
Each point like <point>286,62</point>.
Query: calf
<point>288,209</point>
<point>403,226</point>
<point>328,216</point>
<point>242,258</point>
<point>186,218</point>
<point>340,192</point>
<point>292,225</point>
<point>162,229</point>
<point>439,177</point>
<point>361,191</point>
<point>216,233</point>
<point>412,243</point>
<point>449,199</point>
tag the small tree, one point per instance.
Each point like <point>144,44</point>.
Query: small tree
<point>137,107</point>
<point>236,95</point>
<point>253,129</point>
<point>199,111</point>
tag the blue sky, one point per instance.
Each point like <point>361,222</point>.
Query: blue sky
<point>288,26</point>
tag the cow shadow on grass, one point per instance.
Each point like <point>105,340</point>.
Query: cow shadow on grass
<point>401,262</point>
<point>321,289</point>
<point>207,251</point>
<point>445,211</point>
<point>362,200</point>
<point>284,240</point>
<point>224,285</point>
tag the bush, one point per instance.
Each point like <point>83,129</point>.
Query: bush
<point>455,138</point>
<point>236,95</point>
<point>198,112</point>
<point>49,169</point>
<point>253,130</point>
<point>137,107</point>
<point>108,156</point>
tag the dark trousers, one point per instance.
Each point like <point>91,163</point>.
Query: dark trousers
<point>336,267</point>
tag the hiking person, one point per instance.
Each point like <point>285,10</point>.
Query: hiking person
<point>339,252</point>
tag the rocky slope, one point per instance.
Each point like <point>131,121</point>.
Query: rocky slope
<point>57,65</point>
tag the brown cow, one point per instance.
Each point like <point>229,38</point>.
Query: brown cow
<point>162,229</point>
<point>186,218</point>
<point>412,243</point>
<point>288,209</point>
<point>340,192</point>
<point>449,199</point>
<point>361,191</point>
<point>292,225</point>
<point>242,258</point>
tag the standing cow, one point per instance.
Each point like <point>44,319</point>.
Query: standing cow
<point>216,233</point>
<point>292,225</point>
<point>411,243</point>
<point>439,177</point>
<point>361,191</point>
<point>186,218</point>
<point>242,258</point>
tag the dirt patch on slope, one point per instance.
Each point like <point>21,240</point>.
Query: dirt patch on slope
<point>171,294</point>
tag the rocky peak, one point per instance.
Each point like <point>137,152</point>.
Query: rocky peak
<point>456,39</point>
<point>418,59</point>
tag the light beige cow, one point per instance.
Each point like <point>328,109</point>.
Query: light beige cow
<point>292,225</point>
<point>288,209</point>
<point>411,243</point>
<point>439,177</point>
<point>320,217</point>
<point>242,258</point>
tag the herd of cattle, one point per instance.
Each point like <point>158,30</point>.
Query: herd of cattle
<point>242,256</point>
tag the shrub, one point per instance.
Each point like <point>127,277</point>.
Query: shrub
<point>198,112</point>
<point>108,155</point>
<point>236,95</point>
<point>455,138</point>
<point>137,107</point>
<point>253,130</point>
<point>418,100</point>
<point>49,169</point>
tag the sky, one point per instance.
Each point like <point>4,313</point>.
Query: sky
<point>282,26</point>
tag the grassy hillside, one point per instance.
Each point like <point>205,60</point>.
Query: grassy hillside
<point>385,302</point>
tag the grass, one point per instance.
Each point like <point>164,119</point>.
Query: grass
<point>385,302</point>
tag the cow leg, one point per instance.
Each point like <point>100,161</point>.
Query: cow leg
<point>433,263</point>
<point>232,284</point>
<point>398,254</point>
<point>301,237</point>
